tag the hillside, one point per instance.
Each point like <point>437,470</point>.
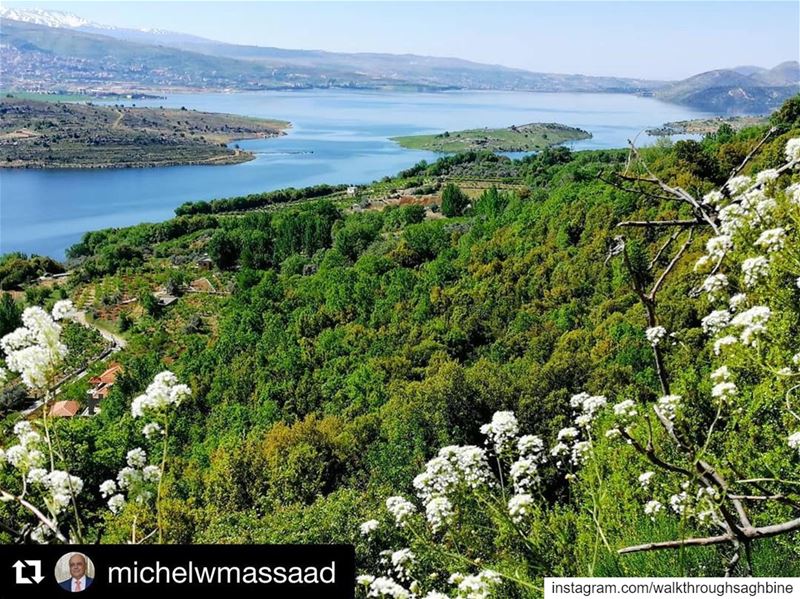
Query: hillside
<point>517,138</point>
<point>748,90</point>
<point>331,347</point>
<point>36,56</point>
<point>37,134</point>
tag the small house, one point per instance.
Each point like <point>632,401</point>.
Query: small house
<point>64,409</point>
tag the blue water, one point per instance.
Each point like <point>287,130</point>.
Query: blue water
<point>336,137</point>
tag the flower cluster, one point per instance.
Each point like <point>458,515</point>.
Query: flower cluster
<point>655,335</point>
<point>35,350</point>
<point>136,481</point>
<point>501,431</point>
<point>163,393</point>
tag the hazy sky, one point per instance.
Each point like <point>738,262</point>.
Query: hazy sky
<point>659,40</point>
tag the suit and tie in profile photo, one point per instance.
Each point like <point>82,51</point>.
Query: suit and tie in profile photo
<point>74,572</point>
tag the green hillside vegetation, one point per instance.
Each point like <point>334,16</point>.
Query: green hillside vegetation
<point>343,349</point>
<point>517,138</point>
<point>38,134</point>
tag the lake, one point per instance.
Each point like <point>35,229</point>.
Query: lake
<point>337,136</point>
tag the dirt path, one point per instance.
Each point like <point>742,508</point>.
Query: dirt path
<point>119,120</point>
<point>115,339</point>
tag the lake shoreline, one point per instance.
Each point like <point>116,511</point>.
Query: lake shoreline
<point>337,137</point>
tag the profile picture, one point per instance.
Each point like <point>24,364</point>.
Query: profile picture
<point>74,572</point>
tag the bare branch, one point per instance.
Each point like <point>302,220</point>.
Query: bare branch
<point>662,223</point>
<point>758,497</point>
<point>764,532</point>
<point>703,541</point>
<point>751,533</point>
<point>752,153</point>
<point>663,248</point>
<point>651,455</point>
<point>6,496</point>
<point>670,266</point>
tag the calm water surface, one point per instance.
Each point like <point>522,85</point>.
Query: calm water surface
<point>336,137</point>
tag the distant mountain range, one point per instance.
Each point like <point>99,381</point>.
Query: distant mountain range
<point>745,89</point>
<point>50,50</point>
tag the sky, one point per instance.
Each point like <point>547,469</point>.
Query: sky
<point>645,39</point>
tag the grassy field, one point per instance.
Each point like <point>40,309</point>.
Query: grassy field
<point>37,134</point>
<point>517,138</point>
<point>706,126</point>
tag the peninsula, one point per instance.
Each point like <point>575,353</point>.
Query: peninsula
<point>707,126</point>
<point>517,138</point>
<point>38,134</point>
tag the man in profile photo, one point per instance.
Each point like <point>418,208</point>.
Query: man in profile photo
<point>78,580</point>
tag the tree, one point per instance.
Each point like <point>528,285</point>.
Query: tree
<point>223,249</point>
<point>10,314</point>
<point>454,201</point>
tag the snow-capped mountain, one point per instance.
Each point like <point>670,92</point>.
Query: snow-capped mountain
<point>63,20</point>
<point>48,18</point>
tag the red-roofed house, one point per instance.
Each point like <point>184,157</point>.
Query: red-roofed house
<point>65,409</point>
<point>102,385</point>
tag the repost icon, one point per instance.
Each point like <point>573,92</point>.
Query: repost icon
<point>25,566</point>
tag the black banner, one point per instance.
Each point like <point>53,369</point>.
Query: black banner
<point>150,571</point>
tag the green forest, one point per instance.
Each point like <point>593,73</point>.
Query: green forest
<point>338,349</point>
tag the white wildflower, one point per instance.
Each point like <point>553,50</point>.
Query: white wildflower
<point>438,512</point>
<point>766,175</point>
<point>63,309</point>
<point>737,301</point>
<point>625,409</point>
<point>668,405</point>
<point>502,431</point>
<point>519,506</point>
<point>723,342</point>
<point>387,587</point>
<point>368,527</point>
<point>754,270</point>
<point>753,323</point>
<point>794,441</point>
<point>793,150</point>
<point>724,390</point>
<point>116,503</point>
<point>401,509</point>
<point>715,286</point>
<point>772,240</point>
<point>37,476</point>
<point>715,321</point>
<point>559,449</point>
<point>402,559</point>
<point>652,508</point>
<point>151,429</point>
<point>718,246</point>
<point>107,488</point>
<point>678,502</point>
<point>524,474</point>
<point>580,451</point>
<point>477,586</point>
<point>151,473</point>
<point>713,198</point>
<point>738,184</point>
<point>136,458</point>
<point>655,335</point>
<point>644,478</point>
<point>569,433</point>
<point>721,374</point>
<point>530,444</point>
